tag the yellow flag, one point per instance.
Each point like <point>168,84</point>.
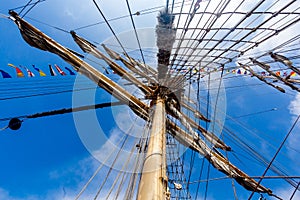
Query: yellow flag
<point>40,71</point>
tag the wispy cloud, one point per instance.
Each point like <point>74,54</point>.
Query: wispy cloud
<point>73,178</point>
<point>285,193</point>
<point>294,106</point>
<point>4,194</point>
<point>294,139</point>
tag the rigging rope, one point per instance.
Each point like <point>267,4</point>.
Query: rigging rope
<point>34,4</point>
<point>111,29</point>
<point>121,172</point>
<point>175,170</point>
<point>210,28</point>
<point>138,13</point>
<point>254,177</point>
<point>261,24</point>
<point>198,105</point>
<point>25,7</point>
<point>278,150</point>
<point>252,151</point>
<point>256,113</point>
<point>124,167</point>
<point>139,161</point>
<point>97,170</point>
<point>179,46</point>
<point>136,35</point>
<point>193,154</point>
<point>20,7</point>
<point>202,37</point>
<point>46,93</point>
<point>206,128</point>
<point>111,166</point>
<point>292,196</point>
<point>180,13</point>
<point>257,156</point>
<point>55,27</point>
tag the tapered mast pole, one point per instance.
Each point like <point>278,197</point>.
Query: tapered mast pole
<point>153,184</point>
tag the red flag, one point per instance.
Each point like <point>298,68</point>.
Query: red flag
<point>29,73</point>
<point>19,72</point>
<point>59,70</point>
<point>293,73</point>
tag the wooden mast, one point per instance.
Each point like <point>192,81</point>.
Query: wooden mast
<point>154,181</point>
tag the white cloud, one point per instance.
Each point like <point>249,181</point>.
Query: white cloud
<point>285,193</point>
<point>5,195</point>
<point>81,172</point>
<point>294,106</point>
<point>294,139</point>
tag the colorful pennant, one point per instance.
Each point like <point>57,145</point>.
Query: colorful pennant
<point>40,71</point>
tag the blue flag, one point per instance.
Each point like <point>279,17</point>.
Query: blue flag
<point>5,74</point>
<point>70,71</point>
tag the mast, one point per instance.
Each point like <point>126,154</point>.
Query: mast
<point>154,181</point>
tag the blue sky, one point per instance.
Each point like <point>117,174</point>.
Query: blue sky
<point>48,159</point>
